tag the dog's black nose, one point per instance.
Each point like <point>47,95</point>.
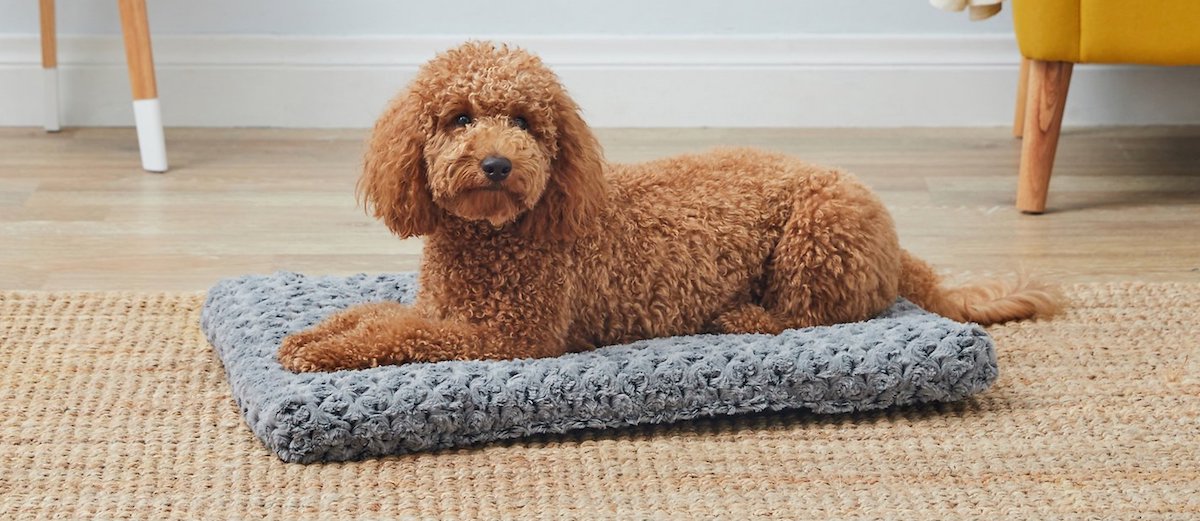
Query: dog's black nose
<point>496,168</point>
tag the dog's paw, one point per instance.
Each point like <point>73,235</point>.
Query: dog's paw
<point>300,353</point>
<point>363,336</point>
<point>358,348</point>
<point>312,351</point>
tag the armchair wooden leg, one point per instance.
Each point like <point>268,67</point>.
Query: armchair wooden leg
<point>146,110</point>
<point>49,67</point>
<point>1022,91</point>
<point>1046,98</point>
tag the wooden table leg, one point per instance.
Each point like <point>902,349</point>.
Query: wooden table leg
<point>146,109</point>
<point>49,67</point>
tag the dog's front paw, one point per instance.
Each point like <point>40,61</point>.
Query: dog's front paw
<point>346,340</point>
<point>321,349</point>
<point>304,352</point>
<point>324,350</point>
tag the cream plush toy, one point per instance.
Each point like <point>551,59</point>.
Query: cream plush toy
<point>977,9</point>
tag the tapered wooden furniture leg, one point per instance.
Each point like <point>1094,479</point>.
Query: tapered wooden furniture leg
<point>1022,91</point>
<point>146,110</point>
<point>49,67</point>
<point>1045,99</point>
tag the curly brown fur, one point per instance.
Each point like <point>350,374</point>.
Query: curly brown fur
<point>569,253</point>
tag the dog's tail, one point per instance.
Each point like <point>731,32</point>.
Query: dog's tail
<point>987,302</point>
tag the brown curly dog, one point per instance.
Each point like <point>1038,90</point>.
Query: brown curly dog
<point>535,247</point>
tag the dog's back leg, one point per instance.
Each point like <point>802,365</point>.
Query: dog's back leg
<point>838,259</point>
<point>747,318</point>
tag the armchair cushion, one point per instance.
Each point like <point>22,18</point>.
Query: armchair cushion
<point>1158,32</point>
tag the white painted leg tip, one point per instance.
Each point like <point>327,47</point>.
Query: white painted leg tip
<point>147,114</point>
<point>50,99</point>
<point>155,168</point>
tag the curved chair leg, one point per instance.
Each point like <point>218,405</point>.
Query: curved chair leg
<point>49,67</point>
<point>1046,98</point>
<point>146,110</point>
<point>1022,92</point>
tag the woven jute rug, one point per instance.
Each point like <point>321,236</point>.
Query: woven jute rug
<point>114,406</point>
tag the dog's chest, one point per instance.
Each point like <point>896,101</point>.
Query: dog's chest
<point>487,280</point>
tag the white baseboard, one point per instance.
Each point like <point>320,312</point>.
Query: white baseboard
<point>718,81</point>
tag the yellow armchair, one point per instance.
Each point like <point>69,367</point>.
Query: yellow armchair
<point>1056,34</point>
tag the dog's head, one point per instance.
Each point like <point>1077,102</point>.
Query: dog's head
<point>484,133</point>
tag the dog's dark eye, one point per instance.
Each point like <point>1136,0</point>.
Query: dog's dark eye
<point>462,120</point>
<point>520,123</point>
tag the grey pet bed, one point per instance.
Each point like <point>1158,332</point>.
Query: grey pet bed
<point>904,356</point>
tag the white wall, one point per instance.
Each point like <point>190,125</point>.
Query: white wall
<point>643,63</point>
<point>514,17</point>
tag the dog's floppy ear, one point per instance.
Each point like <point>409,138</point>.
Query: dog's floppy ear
<point>394,185</point>
<point>575,192</point>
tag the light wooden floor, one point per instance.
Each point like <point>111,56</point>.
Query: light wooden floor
<point>76,212</point>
